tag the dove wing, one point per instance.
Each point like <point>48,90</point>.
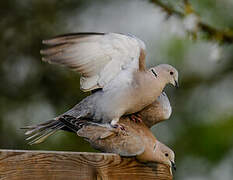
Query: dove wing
<point>98,57</point>
<point>105,140</point>
<point>104,137</point>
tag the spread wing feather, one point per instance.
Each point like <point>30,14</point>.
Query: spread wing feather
<point>98,57</point>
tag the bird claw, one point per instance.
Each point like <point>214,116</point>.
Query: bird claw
<point>118,126</point>
<point>135,118</point>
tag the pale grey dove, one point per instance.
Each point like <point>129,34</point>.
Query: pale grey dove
<point>137,140</point>
<point>113,66</point>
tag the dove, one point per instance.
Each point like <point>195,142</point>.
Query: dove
<point>137,140</point>
<point>112,66</point>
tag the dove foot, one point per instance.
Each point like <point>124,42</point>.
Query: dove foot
<point>118,126</point>
<point>115,125</point>
<point>136,118</point>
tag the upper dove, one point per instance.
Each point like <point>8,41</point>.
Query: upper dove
<point>112,66</point>
<point>154,113</point>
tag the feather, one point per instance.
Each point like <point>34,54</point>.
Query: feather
<point>98,57</point>
<point>40,132</point>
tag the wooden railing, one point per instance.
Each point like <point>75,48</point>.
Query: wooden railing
<point>21,164</point>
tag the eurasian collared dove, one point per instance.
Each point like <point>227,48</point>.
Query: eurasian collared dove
<point>137,140</point>
<point>112,65</point>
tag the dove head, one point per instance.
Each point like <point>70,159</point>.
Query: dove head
<point>164,154</point>
<point>168,73</point>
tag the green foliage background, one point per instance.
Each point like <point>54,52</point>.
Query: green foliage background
<point>200,129</point>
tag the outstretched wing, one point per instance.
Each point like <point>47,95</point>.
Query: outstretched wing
<point>98,57</point>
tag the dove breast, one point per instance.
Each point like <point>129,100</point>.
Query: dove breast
<point>156,112</point>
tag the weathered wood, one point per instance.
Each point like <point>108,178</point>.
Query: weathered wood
<point>15,165</point>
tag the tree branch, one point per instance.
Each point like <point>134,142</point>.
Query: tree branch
<point>222,36</point>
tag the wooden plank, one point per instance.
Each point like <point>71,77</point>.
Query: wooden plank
<point>16,164</point>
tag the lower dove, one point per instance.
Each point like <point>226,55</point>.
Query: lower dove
<point>156,112</point>
<point>137,140</point>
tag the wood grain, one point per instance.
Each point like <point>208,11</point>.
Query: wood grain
<point>16,164</point>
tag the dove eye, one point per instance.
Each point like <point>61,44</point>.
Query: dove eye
<point>166,154</point>
<point>171,73</point>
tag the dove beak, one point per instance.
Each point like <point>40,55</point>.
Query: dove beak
<point>176,84</point>
<point>173,165</point>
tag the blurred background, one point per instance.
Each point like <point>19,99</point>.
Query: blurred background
<point>194,36</point>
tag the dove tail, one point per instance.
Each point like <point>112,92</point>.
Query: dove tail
<point>73,124</point>
<point>40,132</point>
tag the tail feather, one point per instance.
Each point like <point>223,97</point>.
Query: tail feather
<point>72,123</point>
<point>39,127</point>
<point>75,124</point>
<point>40,132</point>
<point>35,133</point>
<point>41,138</point>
